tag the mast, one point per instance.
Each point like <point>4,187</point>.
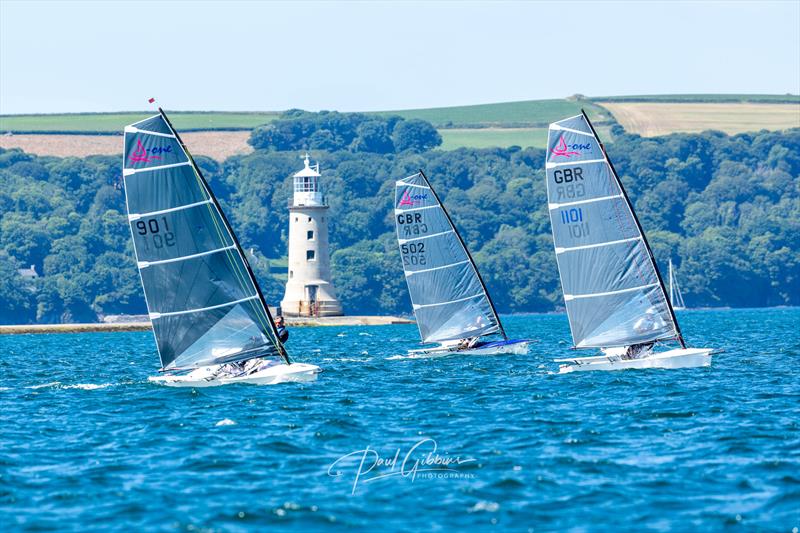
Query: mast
<point>641,231</point>
<point>469,255</point>
<point>213,197</point>
<point>671,290</point>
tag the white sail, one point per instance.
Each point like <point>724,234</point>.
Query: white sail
<point>447,294</point>
<point>612,290</point>
<point>675,296</point>
<point>205,305</point>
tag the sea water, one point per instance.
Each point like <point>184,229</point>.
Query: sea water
<point>385,444</point>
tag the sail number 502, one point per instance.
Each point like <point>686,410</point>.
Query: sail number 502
<point>413,253</point>
<point>158,229</point>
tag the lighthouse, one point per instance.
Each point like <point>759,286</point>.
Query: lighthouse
<point>309,291</point>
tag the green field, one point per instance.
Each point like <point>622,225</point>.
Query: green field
<point>489,137</point>
<point>114,122</point>
<point>453,138</point>
<point>531,113</point>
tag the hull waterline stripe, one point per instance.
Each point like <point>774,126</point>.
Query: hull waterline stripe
<point>137,216</point>
<point>399,211</point>
<point>579,202</point>
<point>155,316</point>
<point>131,171</point>
<point>609,243</point>
<point>412,272</point>
<point>145,264</point>
<point>568,297</point>
<point>584,162</point>
<point>403,241</point>
<point>450,302</point>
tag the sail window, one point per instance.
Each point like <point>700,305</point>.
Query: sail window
<point>310,235</point>
<point>310,255</point>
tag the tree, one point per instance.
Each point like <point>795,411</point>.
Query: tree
<point>415,135</point>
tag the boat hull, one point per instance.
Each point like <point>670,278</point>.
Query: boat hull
<point>203,377</point>
<point>678,358</point>
<point>514,346</point>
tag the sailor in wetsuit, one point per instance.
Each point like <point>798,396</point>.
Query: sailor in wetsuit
<point>647,323</point>
<point>250,366</point>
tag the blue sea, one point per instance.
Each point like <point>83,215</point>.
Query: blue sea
<point>379,443</point>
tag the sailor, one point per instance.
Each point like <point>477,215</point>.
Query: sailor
<point>283,333</point>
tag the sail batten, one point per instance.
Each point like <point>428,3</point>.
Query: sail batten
<point>613,292</point>
<point>449,299</point>
<point>204,303</point>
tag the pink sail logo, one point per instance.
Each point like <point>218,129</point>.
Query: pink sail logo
<point>563,149</point>
<point>140,154</point>
<point>412,199</point>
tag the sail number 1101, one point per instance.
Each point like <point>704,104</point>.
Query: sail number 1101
<point>158,229</point>
<point>573,219</point>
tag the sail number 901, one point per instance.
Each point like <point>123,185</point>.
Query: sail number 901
<point>413,253</point>
<point>159,232</point>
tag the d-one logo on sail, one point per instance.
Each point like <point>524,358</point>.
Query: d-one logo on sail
<point>148,155</point>
<point>412,199</point>
<point>562,149</point>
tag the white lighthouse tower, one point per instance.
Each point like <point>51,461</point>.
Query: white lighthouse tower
<point>309,291</point>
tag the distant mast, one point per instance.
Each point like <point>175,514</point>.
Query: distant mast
<point>309,291</point>
<point>675,296</point>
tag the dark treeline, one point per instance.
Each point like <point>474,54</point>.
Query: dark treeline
<point>726,209</point>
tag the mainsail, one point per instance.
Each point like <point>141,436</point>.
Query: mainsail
<point>204,303</point>
<point>613,291</point>
<point>447,293</point>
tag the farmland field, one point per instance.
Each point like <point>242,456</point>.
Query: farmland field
<point>705,98</point>
<point>218,145</point>
<point>651,118</point>
<point>115,122</point>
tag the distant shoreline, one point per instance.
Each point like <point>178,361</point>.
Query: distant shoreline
<point>145,326</point>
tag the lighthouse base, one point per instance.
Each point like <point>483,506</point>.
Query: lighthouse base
<point>307,308</point>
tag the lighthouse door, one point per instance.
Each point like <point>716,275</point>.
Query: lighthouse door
<point>311,298</point>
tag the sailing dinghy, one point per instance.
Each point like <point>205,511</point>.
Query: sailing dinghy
<point>449,298</point>
<point>613,290</point>
<point>211,323</point>
<point>675,296</point>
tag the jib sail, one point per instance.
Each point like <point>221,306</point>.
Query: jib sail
<point>613,291</point>
<point>204,303</point>
<point>448,296</point>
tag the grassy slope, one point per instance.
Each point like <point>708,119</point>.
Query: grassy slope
<point>114,122</point>
<point>508,114</point>
<point>479,126</point>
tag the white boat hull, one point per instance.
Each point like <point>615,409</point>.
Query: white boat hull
<point>502,347</point>
<point>678,358</point>
<point>204,376</point>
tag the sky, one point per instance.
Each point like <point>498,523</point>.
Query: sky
<point>73,56</point>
